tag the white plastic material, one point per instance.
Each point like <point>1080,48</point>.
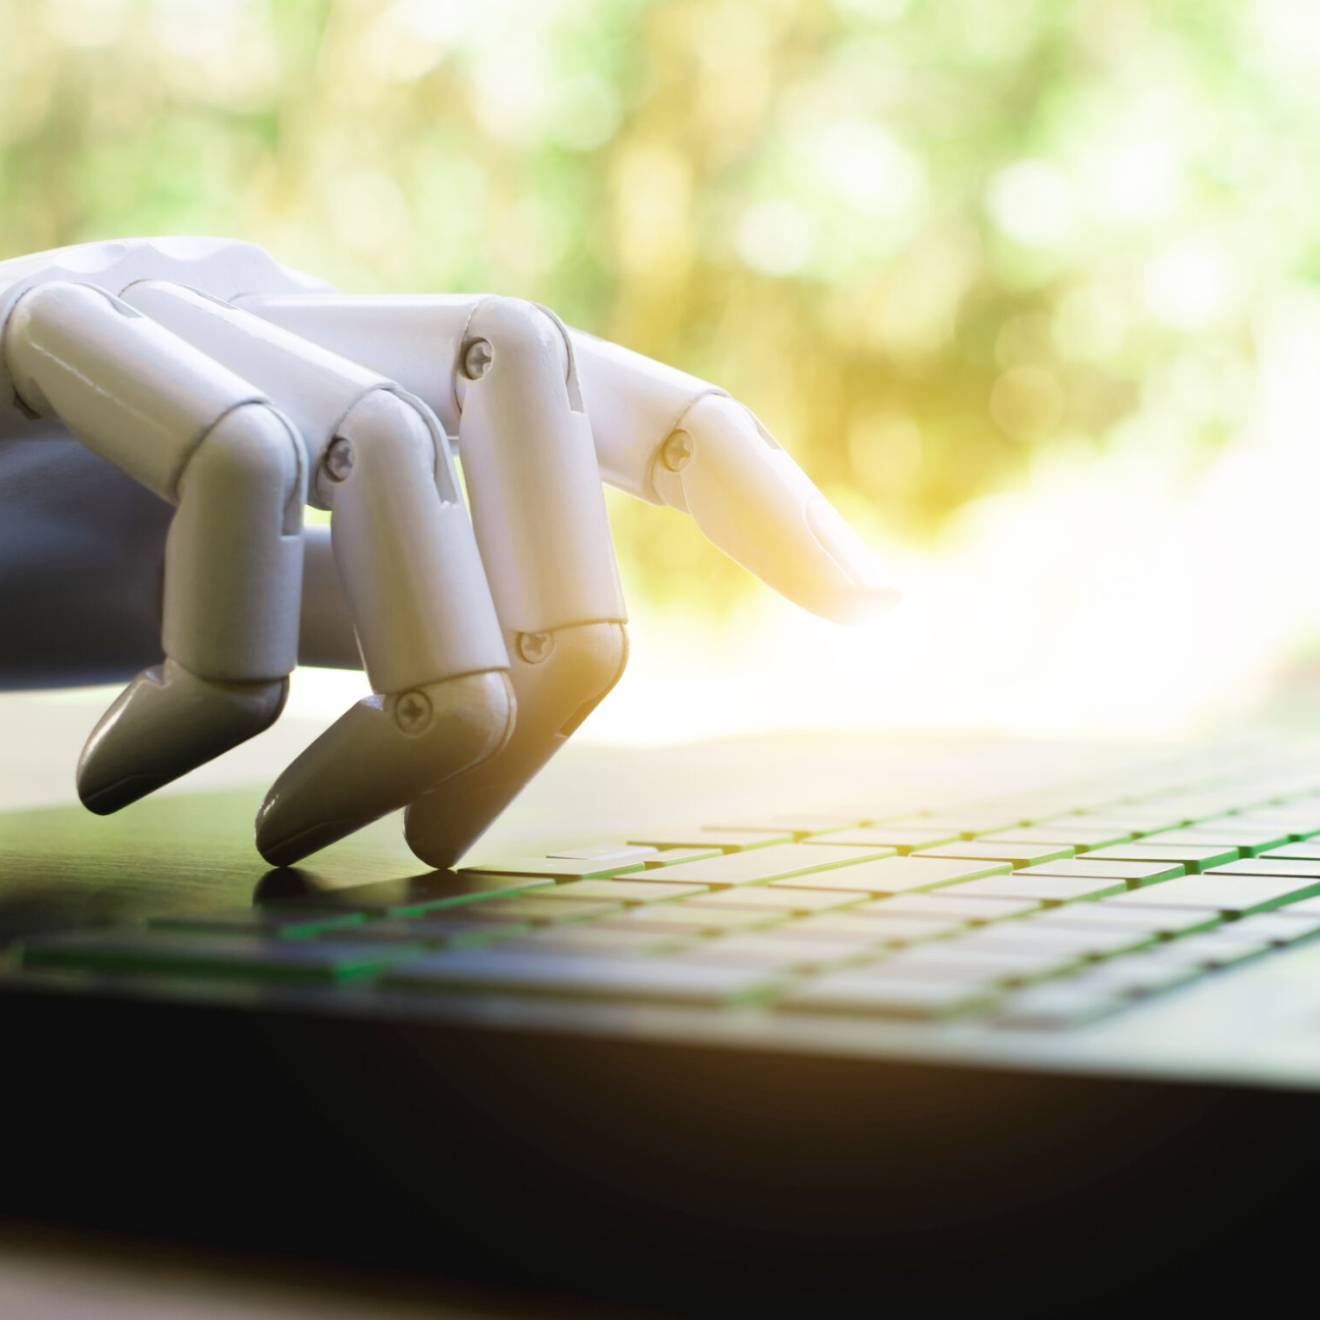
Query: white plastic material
<point>738,484</point>
<point>382,754</point>
<point>403,543</point>
<point>745,492</point>
<point>576,670</point>
<point>634,402</point>
<point>530,451</point>
<point>315,387</point>
<point>414,339</point>
<point>237,389</point>
<point>406,554</point>
<point>197,434</point>
<point>224,267</point>
<point>537,503</point>
<point>165,723</point>
<point>234,555</point>
<point>122,383</point>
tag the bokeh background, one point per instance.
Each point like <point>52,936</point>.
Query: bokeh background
<point>1027,286</point>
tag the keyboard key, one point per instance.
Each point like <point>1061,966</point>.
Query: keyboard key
<point>967,824</point>
<point>1299,823</point>
<point>1308,850</point>
<point>608,854</point>
<point>872,993</point>
<point>1134,873</point>
<point>1219,948</point>
<point>558,868</point>
<point>621,891</point>
<point>802,826</point>
<point>684,918</point>
<point>1130,819</point>
<point>1280,927</point>
<point>1050,1006</point>
<point>1042,888</point>
<point>724,840</point>
<point>125,952</point>
<point>1234,895</point>
<point>897,928</point>
<point>662,857</point>
<point>1092,942</point>
<point>1164,922</point>
<point>1173,810</point>
<point>962,960</point>
<point>782,862</point>
<point>1144,974</point>
<point>1016,854</point>
<point>1302,909</point>
<point>896,875</point>
<point>274,923</point>
<point>775,953</point>
<point>1193,857</point>
<point>542,911</point>
<point>564,975</point>
<point>1228,832</point>
<point>840,926</point>
<point>947,904</point>
<point>1078,836</point>
<point>889,836</point>
<point>1271,866</point>
<point>774,898</point>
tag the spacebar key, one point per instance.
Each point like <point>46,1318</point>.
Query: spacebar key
<point>597,977</point>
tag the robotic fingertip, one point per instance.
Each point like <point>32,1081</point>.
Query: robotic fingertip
<point>166,722</point>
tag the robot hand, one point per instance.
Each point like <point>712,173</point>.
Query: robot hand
<point>236,390</point>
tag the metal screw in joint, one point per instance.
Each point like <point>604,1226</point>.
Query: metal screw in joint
<point>677,451</point>
<point>338,459</point>
<point>477,357</point>
<point>412,712</point>
<point>536,647</point>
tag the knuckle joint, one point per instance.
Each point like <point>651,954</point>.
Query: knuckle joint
<point>514,325</point>
<point>250,445</point>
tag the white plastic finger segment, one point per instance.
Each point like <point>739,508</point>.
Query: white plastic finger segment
<point>135,393</point>
<point>754,502</point>
<point>532,476</point>
<point>166,722</point>
<point>313,385</point>
<point>414,339</point>
<point>326,635</point>
<point>558,679</point>
<point>234,553</point>
<point>635,404</point>
<point>405,549</point>
<point>382,754</point>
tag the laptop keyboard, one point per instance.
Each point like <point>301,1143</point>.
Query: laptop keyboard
<point>1037,913</point>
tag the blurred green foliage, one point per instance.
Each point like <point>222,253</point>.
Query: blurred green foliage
<point>926,242</point>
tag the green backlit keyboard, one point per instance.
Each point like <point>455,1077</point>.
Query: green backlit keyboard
<point>1034,913</point>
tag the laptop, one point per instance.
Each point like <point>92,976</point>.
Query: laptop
<point>710,1028</point>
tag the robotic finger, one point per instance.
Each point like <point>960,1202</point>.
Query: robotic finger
<point>660,434</point>
<point>207,440</point>
<point>501,373</point>
<point>410,572</point>
<point>540,521</point>
<point>672,439</point>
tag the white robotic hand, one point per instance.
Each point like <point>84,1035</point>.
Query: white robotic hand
<point>237,390</point>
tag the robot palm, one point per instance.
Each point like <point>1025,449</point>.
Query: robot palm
<point>236,390</point>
